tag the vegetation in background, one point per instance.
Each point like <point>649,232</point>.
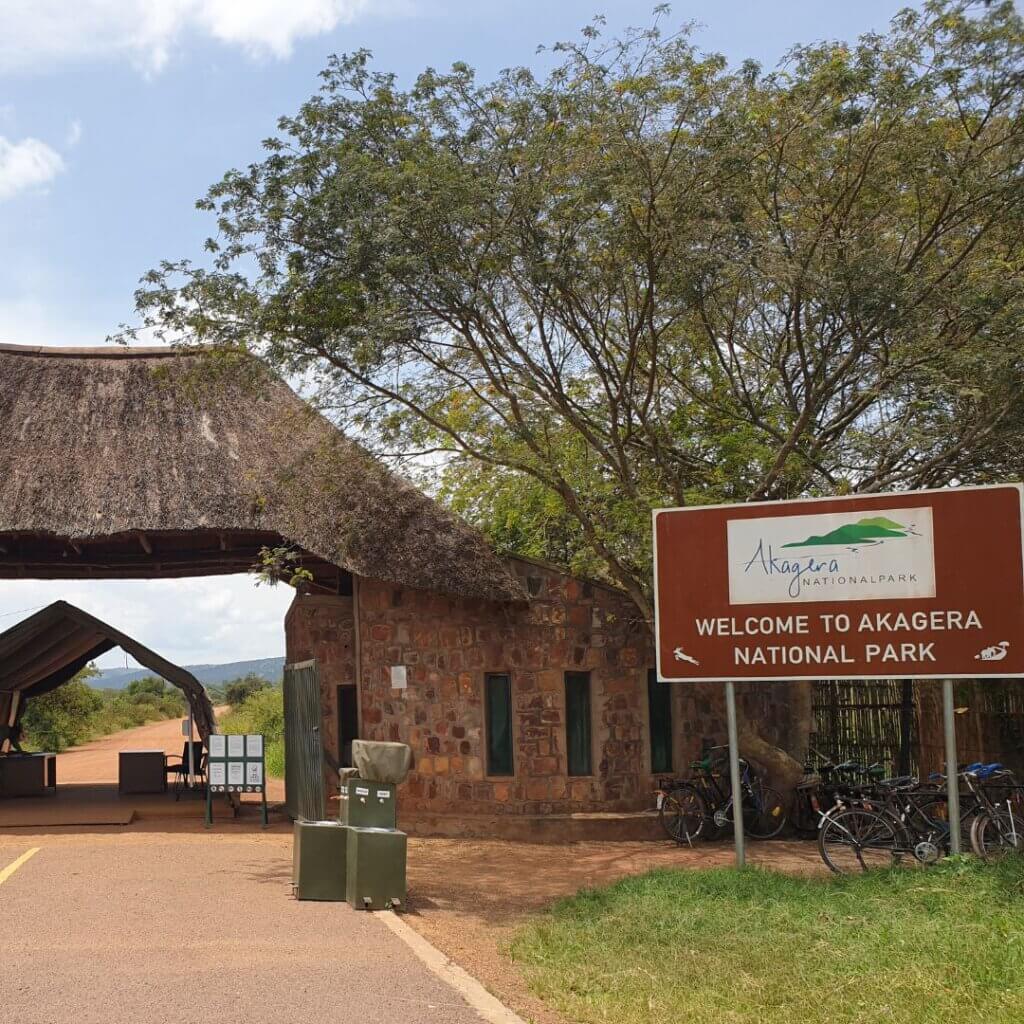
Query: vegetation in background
<point>752,947</point>
<point>261,710</point>
<point>234,691</point>
<point>76,713</point>
<point>647,279</point>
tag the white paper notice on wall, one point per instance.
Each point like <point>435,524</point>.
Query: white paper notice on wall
<point>236,773</point>
<point>253,773</point>
<point>236,746</point>
<point>217,748</point>
<point>253,745</point>
<point>218,775</point>
<point>399,677</point>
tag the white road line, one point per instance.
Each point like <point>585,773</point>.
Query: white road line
<point>490,1009</point>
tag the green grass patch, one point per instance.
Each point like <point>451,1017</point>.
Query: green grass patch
<point>261,711</point>
<point>726,947</point>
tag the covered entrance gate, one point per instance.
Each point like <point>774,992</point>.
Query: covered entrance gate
<point>51,647</point>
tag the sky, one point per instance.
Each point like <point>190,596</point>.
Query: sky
<point>116,115</point>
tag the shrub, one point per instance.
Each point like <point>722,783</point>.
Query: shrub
<point>261,712</point>
<point>237,691</point>
<point>63,717</point>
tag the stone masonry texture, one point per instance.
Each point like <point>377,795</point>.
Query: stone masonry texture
<point>448,645</point>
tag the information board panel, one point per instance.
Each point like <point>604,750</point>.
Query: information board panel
<point>235,764</point>
<point>916,585</point>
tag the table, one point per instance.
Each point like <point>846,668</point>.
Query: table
<point>28,774</point>
<point>141,771</point>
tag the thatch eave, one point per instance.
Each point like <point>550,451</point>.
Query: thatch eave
<point>112,442</point>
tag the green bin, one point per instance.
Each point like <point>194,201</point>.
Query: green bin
<point>369,804</point>
<point>319,855</point>
<point>376,868</point>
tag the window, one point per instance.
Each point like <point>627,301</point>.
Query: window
<point>659,720</point>
<point>577,723</point>
<point>498,708</point>
<point>348,722</point>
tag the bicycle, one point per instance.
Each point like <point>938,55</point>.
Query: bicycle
<point>702,805</point>
<point>998,824</point>
<point>824,786</point>
<point>903,818</point>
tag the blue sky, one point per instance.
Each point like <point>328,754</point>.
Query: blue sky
<point>115,116</point>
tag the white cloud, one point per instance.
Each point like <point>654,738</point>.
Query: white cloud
<point>26,165</point>
<point>35,33</point>
<point>208,620</point>
<point>74,135</point>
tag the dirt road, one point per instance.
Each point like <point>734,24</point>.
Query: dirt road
<point>97,761</point>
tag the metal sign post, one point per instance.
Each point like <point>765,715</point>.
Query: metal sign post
<point>952,775</point>
<point>734,774</point>
<point>191,752</point>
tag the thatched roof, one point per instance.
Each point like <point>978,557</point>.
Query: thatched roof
<point>103,442</point>
<point>47,649</point>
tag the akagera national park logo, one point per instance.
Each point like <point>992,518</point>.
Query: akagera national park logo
<point>872,530</point>
<point>831,557</point>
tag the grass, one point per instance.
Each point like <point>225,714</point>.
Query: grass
<point>726,947</point>
<point>261,712</point>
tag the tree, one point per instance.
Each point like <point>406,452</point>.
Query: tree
<point>237,691</point>
<point>64,717</point>
<point>647,279</point>
<point>147,684</point>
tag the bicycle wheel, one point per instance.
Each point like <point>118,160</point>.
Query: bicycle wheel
<point>936,810</point>
<point>995,834</point>
<point>857,840</point>
<point>683,814</point>
<point>764,813</point>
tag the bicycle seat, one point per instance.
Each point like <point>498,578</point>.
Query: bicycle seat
<point>898,782</point>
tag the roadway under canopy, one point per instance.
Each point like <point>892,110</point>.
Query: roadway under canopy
<point>47,649</point>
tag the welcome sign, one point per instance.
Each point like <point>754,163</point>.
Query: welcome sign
<point>925,584</point>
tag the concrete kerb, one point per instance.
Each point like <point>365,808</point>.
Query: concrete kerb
<point>486,1006</point>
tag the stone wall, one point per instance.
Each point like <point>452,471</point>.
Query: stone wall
<point>447,646</point>
<point>322,627</point>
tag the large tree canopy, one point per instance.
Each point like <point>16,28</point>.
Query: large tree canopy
<point>646,278</point>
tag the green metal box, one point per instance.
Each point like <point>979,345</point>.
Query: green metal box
<point>319,855</point>
<point>376,868</point>
<point>369,804</point>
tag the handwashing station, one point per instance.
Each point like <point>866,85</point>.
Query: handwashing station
<point>361,856</point>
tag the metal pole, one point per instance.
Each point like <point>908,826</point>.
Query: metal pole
<point>952,776</point>
<point>191,752</point>
<point>734,773</point>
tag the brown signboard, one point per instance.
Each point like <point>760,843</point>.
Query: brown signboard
<point>916,585</point>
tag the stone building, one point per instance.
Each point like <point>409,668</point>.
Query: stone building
<point>526,695</point>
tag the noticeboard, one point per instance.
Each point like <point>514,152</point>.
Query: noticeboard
<point>915,585</point>
<point>235,764</point>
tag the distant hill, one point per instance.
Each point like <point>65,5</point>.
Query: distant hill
<point>269,668</point>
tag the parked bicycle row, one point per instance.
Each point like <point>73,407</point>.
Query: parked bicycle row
<point>861,818</point>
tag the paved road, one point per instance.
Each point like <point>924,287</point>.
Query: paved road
<point>155,928</point>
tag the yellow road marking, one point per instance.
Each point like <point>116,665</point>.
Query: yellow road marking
<point>11,868</point>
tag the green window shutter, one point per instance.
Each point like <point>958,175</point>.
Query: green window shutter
<point>499,724</point>
<point>659,716</point>
<point>577,723</point>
